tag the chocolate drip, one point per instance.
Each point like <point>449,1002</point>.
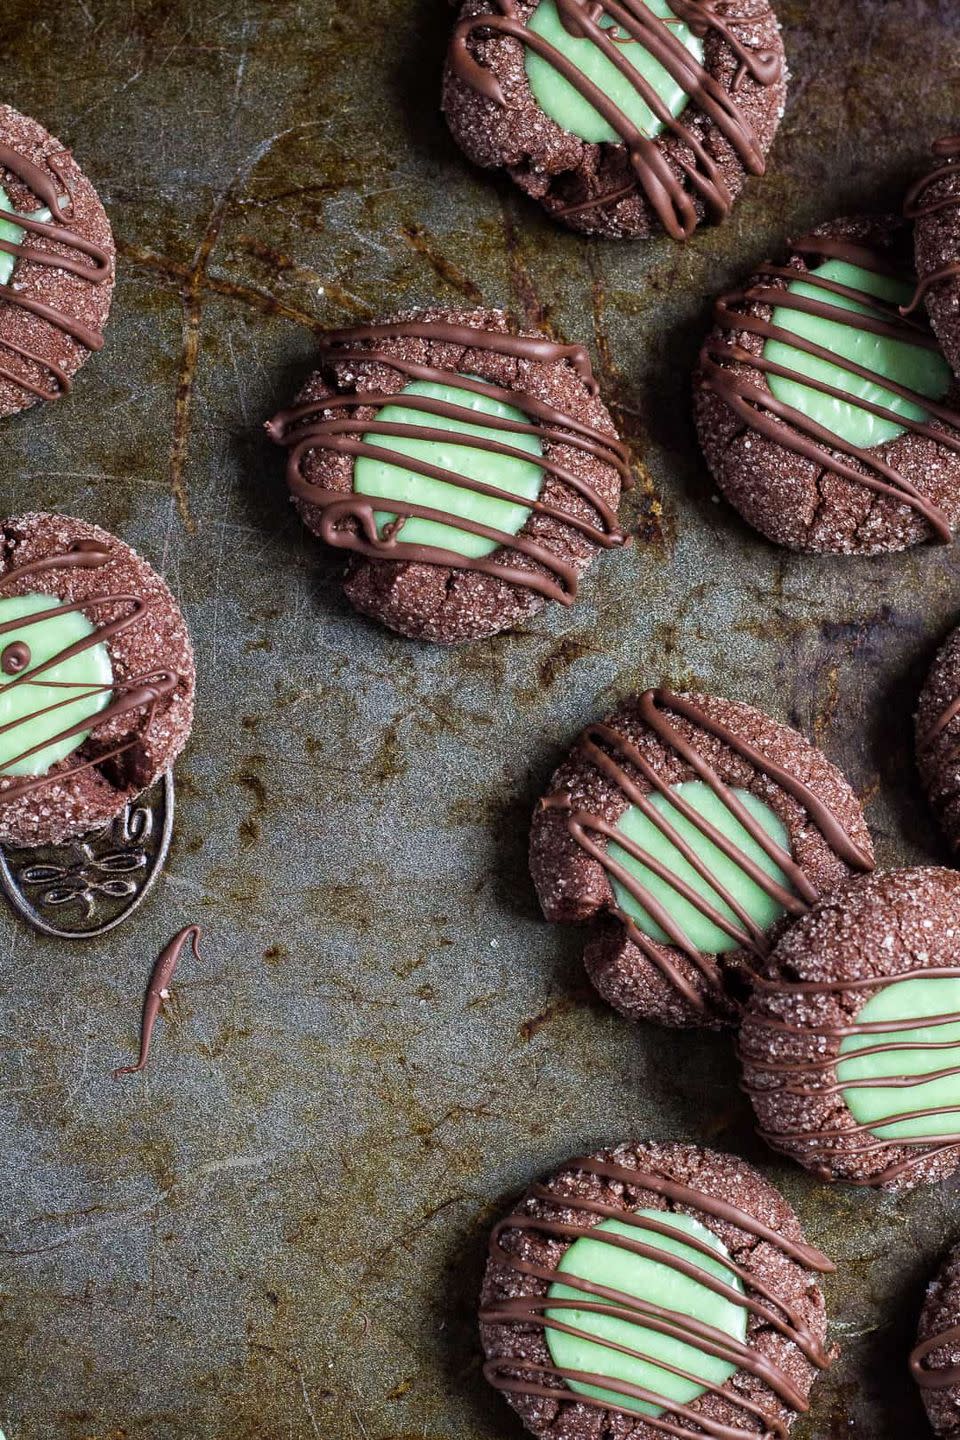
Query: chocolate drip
<point>349,521</point>
<point>139,693</point>
<point>935,1377</point>
<point>802,1078</point>
<point>529,1378</point>
<point>666,192</point>
<point>763,413</point>
<point>157,992</point>
<point>86,260</point>
<point>602,745</point>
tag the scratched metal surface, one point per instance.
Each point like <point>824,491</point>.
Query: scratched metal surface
<point>278,1231</point>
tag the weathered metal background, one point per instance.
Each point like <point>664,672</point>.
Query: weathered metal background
<point>277,1232</point>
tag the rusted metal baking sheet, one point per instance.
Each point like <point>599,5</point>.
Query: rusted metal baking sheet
<point>277,1231</point>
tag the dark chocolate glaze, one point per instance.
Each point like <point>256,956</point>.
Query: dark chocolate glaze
<point>931,1377</point>
<point>160,977</point>
<point>803,1077</point>
<point>349,520</point>
<point>634,22</point>
<point>87,261</point>
<point>140,692</point>
<point>516,1376</point>
<point>762,412</point>
<point>602,745</point>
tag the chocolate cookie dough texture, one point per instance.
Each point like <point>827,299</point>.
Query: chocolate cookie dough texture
<point>471,471</point>
<point>624,118</point>
<point>934,207</point>
<point>827,418</point>
<point>96,678</point>
<point>850,1043</point>
<point>654,1290</point>
<point>938,739</point>
<point>935,1362</point>
<point>693,828</point>
<point>56,265</point>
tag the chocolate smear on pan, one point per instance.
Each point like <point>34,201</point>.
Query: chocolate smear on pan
<point>157,991</point>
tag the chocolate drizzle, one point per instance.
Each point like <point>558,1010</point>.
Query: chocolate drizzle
<point>139,693</point>
<point>349,520</point>
<point>85,260</point>
<point>934,1377</point>
<point>810,1078</point>
<point>516,1375</point>
<point>606,749</point>
<point>667,192</point>
<point>946,717</point>
<point>157,992</point>
<point>760,410</point>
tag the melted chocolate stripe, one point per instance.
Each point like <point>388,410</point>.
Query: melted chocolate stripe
<point>514,1312</point>
<point>98,273</point>
<point>665,192</point>
<point>509,1374</point>
<point>948,714</point>
<point>495,1372</point>
<point>348,520</point>
<point>139,693</point>
<point>523,347</point>
<point>930,1377</point>
<point>338,438</point>
<point>947,148</point>
<point>780,1072</point>
<point>768,367</point>
<point>583,437</point>
<point>597,742</point>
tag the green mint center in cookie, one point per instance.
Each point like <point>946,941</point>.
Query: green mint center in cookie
<point>14,233</point>
<point>655,1283</point>
<point>897,1007</point>
<point>84,680</point>
<point>728,875</point>
<point>11,233</point>
<point>515,476</point>
<point>561,100</point>
<point>923,371</point>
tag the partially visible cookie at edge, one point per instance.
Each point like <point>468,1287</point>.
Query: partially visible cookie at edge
<point>935,1360</point>
<point>938,739</point>
<point>56,265</point>
<point>791,440</point>
<point>97,678</point>
<point>523,91</point>
<point>933,204</point>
